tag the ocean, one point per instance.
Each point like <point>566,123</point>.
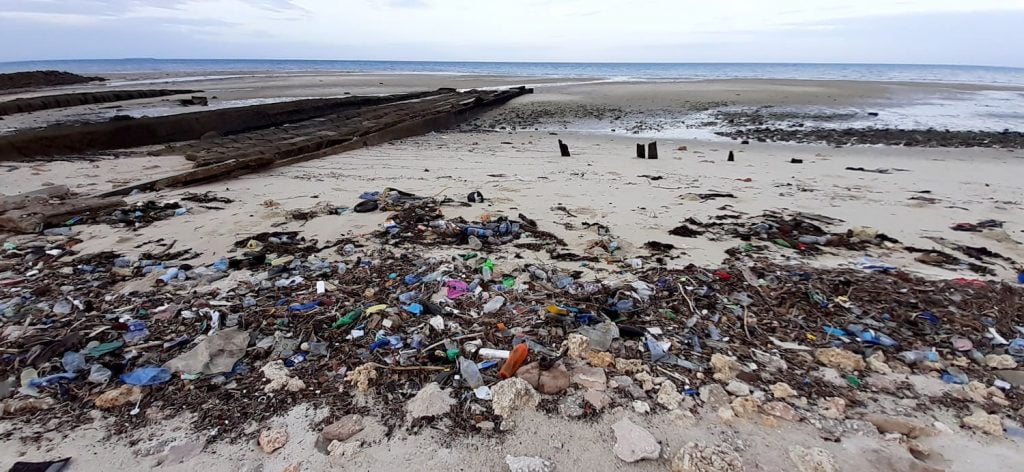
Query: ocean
<point>608,71</point>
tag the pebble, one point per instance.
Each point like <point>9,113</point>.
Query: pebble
<point>725,367</point>
<point>633,443</point>
<point>781,410</point>
<point>745,407</point>
<point>1000,361</point>
<point>782,390</point>
<point>597,399</point>
<point>737,388</point>
<point>841,359</point>
<point>669,396</point>
<point>714,395</point>
<point>641,407</point>
<point>123,395</point>
<point>590,377</point>
<point>341,430</point>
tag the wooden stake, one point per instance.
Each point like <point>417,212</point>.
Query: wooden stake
<point>564,148</point>
<point>641,151</point>
<point>652,150</point>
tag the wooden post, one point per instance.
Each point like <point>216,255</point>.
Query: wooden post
<point>641,151</point>
<point>652,150</point>
<point>564,148</point>
<point>732,157</point>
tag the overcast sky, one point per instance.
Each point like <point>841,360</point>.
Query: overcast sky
<point>980,32</point>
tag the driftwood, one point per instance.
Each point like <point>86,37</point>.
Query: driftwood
<point>641,151</point>
<point>41,196</point>
<point>33,218</point>
<point>563,148</point>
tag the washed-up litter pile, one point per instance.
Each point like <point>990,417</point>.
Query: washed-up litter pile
<point>475,333</point>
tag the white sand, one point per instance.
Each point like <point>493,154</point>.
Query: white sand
<point>599,184</point>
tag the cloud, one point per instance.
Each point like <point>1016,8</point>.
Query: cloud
<point>564,30</point>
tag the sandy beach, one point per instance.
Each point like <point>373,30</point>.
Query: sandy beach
<point>915,196</point>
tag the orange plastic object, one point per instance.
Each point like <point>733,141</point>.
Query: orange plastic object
<point>500,327</point>
<point>515,360</point>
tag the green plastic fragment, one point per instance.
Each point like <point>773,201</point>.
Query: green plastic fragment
<point>853,381</point>
<point>105,348</point>
<point>348,319</point>
<point>453,354</point>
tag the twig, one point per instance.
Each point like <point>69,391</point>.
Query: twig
<point>409,368</point>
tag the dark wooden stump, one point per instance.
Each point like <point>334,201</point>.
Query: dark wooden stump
<point>641,151</point>
<point>732,157</point>
<point>652,150</point>
<point>563,148</point>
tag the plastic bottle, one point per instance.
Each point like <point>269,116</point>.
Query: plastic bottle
<point>488,269</point>
<point>479,232</point>
<point>470,372</point>
<point>99,374</point>
<point>73,361</point>
<point>486,353</point>
<point>913,357</point>
<point>170,275</point>
<point>563,281</point>
<point>515,361</point>
<point>150,375</point>
<point>494,305</point>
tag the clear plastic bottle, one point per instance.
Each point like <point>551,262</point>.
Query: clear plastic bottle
<point>913,357</point>
<point>494,305</point>
<point>470,372</point>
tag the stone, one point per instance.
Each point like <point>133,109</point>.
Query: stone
<point>669,396</point>
<point>697,457</point>
<point>341,430</point>
<point>1000,361</point>
<point>431,400</point>
<point>725,367</point>
<point>633,443</point>
<point>576,345</point>
<point>984,422</point>
<point>813,459</point>
<point>280,379</point>
<point>840,359</point>
<point>271,440</point>
<point>781,410</point>
<point>890,424</point>
<point>876,362</point>
<point>921,452</point>
<point>529,464</point>
<point>714,395</point>
<point>554,380</point>
<point>123,395</point>
<point>978,393</point>
<point>726,415</point>
<point>590,377</point>
<point>740,389</point>
<point>782,390</point>
<point>745,407</point>
<point>513,395</point>
<point>600,359</point>
<point>597,399</point>
<point>530,373</point>
<point>296,467</point>
<point>181,452</point>
<point>832,407</point>
<point>570,406</point>
<point>646,380</point>
<point>630,366</point>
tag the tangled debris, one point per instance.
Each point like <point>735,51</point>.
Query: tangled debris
<point>286,320</point>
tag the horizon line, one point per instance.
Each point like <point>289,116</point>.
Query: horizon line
<point>516,62</point>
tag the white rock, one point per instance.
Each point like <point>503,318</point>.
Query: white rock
<point>633,443</point>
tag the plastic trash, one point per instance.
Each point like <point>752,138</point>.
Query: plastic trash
<point>494,305</point>
<point>62,307</point>
<point>298,308</point>
<point>221,264</point>
<point>486,353</point>
<point>137,332</point>
<point>456,288</point>
<point>657,350</point>
<point>1020,278</point>
<point>50,379</point>
<point>515,361</point>
<point>913,357</point>
<point>470,373</point>
<point>414,308</point>
<point>1016,348</point>
<point>99,374</point>
<point>73,361</point>
<point>600,335</point>
<point>170,275</point>
<point>408,297</point>
<point>180,211</point>
<point>149,375</point>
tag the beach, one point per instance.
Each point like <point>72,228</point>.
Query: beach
<point>914,194</point>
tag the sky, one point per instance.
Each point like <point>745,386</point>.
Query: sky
<point>974,32</point>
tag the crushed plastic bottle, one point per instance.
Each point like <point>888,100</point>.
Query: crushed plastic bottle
<point>137,332</point>
<point>73,361</point>
<point>149,375</point>
<point>913,357</point>
<point>470,372</point>
<point>494,305</point>
<point>99,374</point>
